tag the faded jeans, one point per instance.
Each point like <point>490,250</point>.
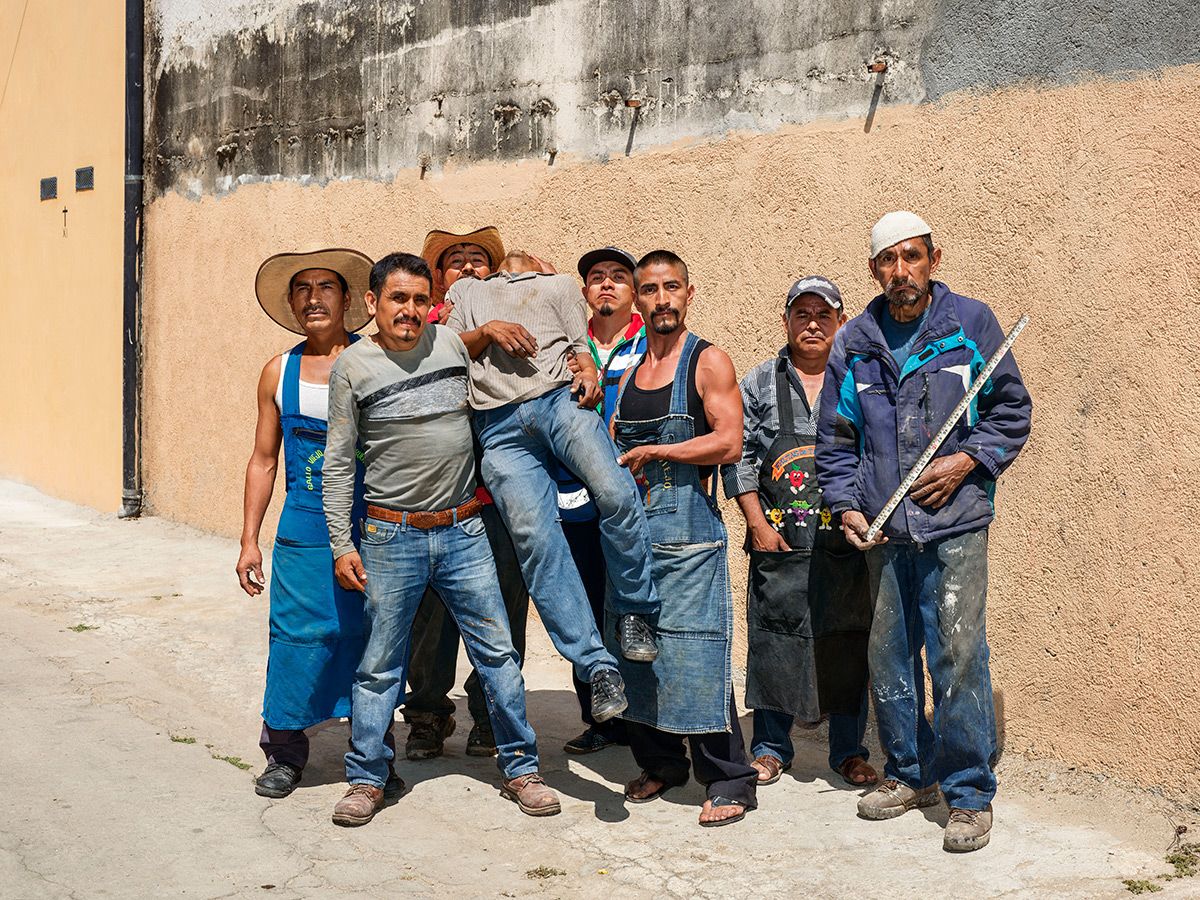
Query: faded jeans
<point>520,443</point>
<point>400,561</point>
<point>772,735</point>
<point>934,594</point>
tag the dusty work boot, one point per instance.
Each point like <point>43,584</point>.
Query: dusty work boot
<point>481,741</point>
<point>531,794</point>
<point>894,798</point>
<point>427,732</point>
<point>358,806</point>
<point>637,640</point>
<point>608,695</point>
<point>277,780</point>
<point>968,829</point>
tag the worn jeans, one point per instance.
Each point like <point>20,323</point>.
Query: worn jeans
<point>934,594</point>
<point>520,442</point>
<point>435,641</point>
<point>772,735</point>
<point>400,562</point>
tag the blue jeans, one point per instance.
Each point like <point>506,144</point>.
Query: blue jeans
<point>934,594</point>
<point>456,561</point>
<point>520,443</point>
<point>772,735</point>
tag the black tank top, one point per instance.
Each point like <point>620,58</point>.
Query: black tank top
<point>639,405</point>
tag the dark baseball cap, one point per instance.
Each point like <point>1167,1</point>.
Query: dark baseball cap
<point>815,284</point>
<point>605,254</point>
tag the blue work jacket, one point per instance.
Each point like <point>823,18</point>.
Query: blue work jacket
<point>877,417</point>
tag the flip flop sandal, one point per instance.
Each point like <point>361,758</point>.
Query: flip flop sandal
<point>642,779</point>
<point>774,767</point>
<point>717,803</point>
<point>856,765</point>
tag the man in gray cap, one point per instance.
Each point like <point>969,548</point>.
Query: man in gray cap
<point>807,604</point>
<point>909,358</point>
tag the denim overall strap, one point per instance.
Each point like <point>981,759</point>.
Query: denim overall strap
<point>290,405</point>
<point>679,387</point>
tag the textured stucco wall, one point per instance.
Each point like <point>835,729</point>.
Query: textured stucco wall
<point>1076,203</point>
<point>368,88</point>
<point>62,107</point>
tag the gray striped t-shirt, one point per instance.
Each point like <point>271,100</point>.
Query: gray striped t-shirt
<point>550,307</point>
<point>409,411</point>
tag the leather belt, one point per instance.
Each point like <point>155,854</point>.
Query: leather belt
<point>427,519</point>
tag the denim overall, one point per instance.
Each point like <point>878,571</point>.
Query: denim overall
<point>686,689</point>
<point>808,609</point>
<point>317,635</point>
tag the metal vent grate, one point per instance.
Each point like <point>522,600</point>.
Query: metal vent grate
<point>85,178</point>
<point>49,188</point>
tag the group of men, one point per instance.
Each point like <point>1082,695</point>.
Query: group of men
<point>490,443</point>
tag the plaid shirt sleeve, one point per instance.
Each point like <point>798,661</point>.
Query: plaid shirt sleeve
<point>741,477</point>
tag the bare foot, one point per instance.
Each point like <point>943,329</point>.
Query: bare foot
<point>644,786</point>
<point>709,815</point>
<point>768,768</point>
<point>858,772</point>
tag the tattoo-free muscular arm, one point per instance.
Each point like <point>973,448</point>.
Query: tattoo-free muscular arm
<point>260,479</point>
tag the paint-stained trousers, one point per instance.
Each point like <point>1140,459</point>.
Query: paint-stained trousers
<point>934,595</point>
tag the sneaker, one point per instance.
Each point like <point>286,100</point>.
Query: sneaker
<point>968,829</point>
<point>894,798</point>
<point>637,640</point>
<point>277,780</point>
<point>481,741</point>
<point>531,794</point>
<point>608,695</point>
<point>358,806</point>
<point>427,733</point>
<point>589,742</point>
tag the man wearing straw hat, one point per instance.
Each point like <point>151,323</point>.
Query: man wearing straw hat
<point>316,632</point>
<point>895,374</point>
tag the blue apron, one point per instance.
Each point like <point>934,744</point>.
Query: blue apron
<point>686,689</point>
<point>317,633</point>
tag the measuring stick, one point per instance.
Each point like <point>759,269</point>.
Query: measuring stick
<point>940,437</point>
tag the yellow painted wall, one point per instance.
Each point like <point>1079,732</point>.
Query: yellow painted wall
<point>62,108</point>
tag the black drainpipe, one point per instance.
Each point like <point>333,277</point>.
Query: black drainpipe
<point>131,345</point>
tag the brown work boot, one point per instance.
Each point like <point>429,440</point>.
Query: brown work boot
<point>968,829</point>
<point>427,732</point>
<point>359,805</point>
<point>531,794</point>
<point>894,798</point>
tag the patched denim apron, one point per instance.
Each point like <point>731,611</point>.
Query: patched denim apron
<point>686,689</point>
<point>808,612</point>
<point>317,635</point>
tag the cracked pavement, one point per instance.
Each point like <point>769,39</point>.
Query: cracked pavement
<point>123,640</point>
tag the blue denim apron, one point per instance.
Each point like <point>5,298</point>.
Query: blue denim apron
<point>317,634</point>
<point>686,689</point>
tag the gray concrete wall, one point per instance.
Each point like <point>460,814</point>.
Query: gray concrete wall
<point>252,89</point>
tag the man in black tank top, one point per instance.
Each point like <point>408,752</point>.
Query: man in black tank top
<point>678,417</point>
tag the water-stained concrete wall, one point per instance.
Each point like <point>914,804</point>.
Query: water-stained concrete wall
<point>1067,189</point>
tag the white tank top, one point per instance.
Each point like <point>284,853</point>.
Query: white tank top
<point>314,398</point>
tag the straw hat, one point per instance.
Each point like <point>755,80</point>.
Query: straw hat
<point>275,275</point>
<point>487,237</point>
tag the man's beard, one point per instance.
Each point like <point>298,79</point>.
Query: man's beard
<point>606,309</point>
<point>665,323</point>
<point>896,296</point>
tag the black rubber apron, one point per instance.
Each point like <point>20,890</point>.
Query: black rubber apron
<point>808,609</point>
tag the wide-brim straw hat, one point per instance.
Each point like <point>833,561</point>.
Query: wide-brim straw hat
<point>275,277</point>
<point>437,241</point>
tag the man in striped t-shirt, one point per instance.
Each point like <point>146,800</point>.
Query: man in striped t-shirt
<point>617,340</point>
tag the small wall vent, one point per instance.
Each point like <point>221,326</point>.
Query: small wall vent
<point>49,188</point>
<point>85,179</point>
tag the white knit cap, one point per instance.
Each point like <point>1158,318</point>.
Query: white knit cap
<point>896,227</point>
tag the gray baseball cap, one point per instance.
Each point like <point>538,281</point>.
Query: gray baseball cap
<point>815,284</point>
<point>605,254</point>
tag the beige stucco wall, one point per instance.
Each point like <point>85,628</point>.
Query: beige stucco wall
<point>63,108</point>
<point>1076,204</point>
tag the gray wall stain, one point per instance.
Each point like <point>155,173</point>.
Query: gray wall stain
<point>368,88</point>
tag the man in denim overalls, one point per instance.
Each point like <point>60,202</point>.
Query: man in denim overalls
<point>679,416</point>
<point>316,635</point>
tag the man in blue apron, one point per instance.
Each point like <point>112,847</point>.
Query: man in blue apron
<point>808,610</point>
<point>678,416</point>
<point>316,635</point>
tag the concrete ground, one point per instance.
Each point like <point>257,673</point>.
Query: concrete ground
<point>130,682</point>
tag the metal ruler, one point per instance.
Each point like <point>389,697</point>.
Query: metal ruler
<point>940,437</point>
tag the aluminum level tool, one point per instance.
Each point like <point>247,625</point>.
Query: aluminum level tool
<point>940,437</point>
